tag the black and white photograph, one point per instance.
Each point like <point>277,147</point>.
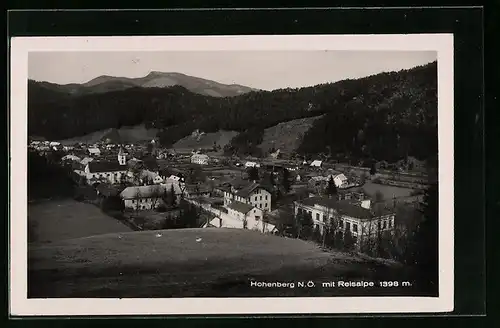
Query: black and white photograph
<point>243,174</point>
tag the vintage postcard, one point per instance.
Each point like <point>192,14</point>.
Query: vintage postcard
<point>231,175</point>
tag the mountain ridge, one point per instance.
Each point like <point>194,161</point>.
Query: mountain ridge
<point>154,79</point>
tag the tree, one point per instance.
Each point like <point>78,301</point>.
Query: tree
<point>253,173</point>
<point>137,198</point>
<point>331,188</point>
<point>379,196</point>
<point>425,247</point>
<point>349,241</point>
<point>285,180</point>
<point>316,235</point>
<point>373,168</point>
<point>173,196</point>
<point>304,225</point>
<point>157,193</point>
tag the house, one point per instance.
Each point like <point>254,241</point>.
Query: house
<point>71,158</point>
<point>109,171</point>
<point>86,160</point>
<point>243,216</point>
<point>252,164</point>
<point>253,194</point>
<point>201,159</point>
<point>144,197</point>
<point>316,163</point>
<point>94,151</point>
<point>197,191</point>
<point>340,180</point>
<point>244,211</point>
<point>149,176</point>
<point>357,217</point>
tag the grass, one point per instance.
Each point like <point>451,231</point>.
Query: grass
<point>53,221</point>
<point>286,136</point>
<point>207,140</point>
<point>126,134</point>
<point>175,264</point>
<point>388,191</point>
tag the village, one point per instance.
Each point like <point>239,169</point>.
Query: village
<point>151,188</point>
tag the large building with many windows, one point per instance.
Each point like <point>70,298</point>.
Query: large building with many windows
<point>358,217</point>
<point>253,193</point>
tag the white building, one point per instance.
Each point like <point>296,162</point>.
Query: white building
<point>340,180</point>
<point>143,197</point>
<point>111,172</point>
<point>251,164</point>
<point>316,163</point>
<point>71,158</point>
<point>94,151</point>
<point>243,216</point>
<point>201,159</point>
<point>358,218</point>
<point>253,194</point>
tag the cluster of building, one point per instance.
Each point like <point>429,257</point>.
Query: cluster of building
<point>142,185</point>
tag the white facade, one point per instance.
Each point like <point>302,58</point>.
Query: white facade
<point>201,159</point>
<point>260,198</point>
<point>94,151</point>
<point>340,180</point>
<point>358,227</point>
<point>252,164</point>
<point>253,215</point>
<point>316,163</point>
<point>110,177</point>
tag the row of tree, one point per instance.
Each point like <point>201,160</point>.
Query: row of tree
<point>386,116</point>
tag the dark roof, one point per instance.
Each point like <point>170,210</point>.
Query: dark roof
<point>345,207</point>
<point>98,166</point>
<point>240,207</point>
<point>246,191</point>
<point>107,190</point>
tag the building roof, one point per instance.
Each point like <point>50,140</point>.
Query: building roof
<point>247,190</point>
<point>240,207</point>
<point>143,191</point>
<point>345,207</point>
<point>98,166</point>
<point>107,190</point>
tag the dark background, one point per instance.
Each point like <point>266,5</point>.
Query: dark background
<point>465,23</point>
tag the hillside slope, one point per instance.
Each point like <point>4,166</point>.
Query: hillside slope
<point>172,263</point>
<point>205,140</point>
<point>286,136</point>
<point>388,116</point>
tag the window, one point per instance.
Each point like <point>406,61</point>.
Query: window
<point>390,223</point>
<point>257,218</point>
<point>379,225</point>
<point>355,227</point>
<point>341,223</point>
<point>255,198</point>
<point>260,197</point>
<point>385,224</point>
<point>260,205</point>
<point>265,205</point>
<point>348,225</point>
<point>317,216</point>
<point>266,197</point>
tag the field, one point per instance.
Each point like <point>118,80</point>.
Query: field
<point>388,191</point>
<point>221,138</point>
<point>286,136</point>
<point>53,221</point>
<point>208,262</point>
<point>126,134</point>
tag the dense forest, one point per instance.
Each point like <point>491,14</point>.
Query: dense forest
<point>386,116</point>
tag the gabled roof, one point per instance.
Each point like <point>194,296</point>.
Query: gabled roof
<point>247,190</point>
<point>345,207</point>
<point>95,167</point>
<point>240,207</point>
<point>143,191</point>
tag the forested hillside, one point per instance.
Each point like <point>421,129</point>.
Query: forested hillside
<point>386,116</point>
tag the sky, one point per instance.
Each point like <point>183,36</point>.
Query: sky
<point>266,70</point>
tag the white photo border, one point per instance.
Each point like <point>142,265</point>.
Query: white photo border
<point>20,305</point>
